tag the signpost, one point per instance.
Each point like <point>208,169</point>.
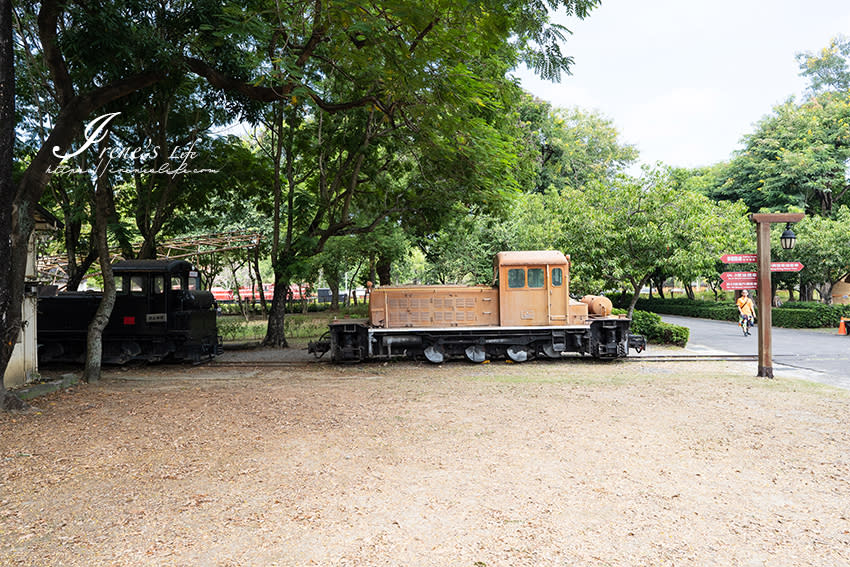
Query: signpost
<point>763,221</point>
<point>761,280</point>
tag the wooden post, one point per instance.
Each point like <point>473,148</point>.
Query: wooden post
<point>765,316</point>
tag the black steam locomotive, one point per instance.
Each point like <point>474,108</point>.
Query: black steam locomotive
<point>160,313</point>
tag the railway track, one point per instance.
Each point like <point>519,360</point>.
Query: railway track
<point>634,358</point>
<point>694,357</point>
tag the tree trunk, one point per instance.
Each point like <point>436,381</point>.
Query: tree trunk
<point>75,279</point>
<point>825,292</point>
<point>659,285</point>
<point>383,269</point>
<point>11,281</point>
<point>255,263</point>
<point>636,295</point>
<point>333,283</point>
<point>689,290</point>
<point>94,342</point>
<point>276,331</point>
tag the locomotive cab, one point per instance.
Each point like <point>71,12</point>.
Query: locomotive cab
<point>534,289</point>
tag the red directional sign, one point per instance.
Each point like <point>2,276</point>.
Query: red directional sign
<point>743,284</point>
<point>739,276</point>
<point>739,259</point>
<point>785,266</point>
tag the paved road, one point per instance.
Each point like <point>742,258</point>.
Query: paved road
<point>820,355</point>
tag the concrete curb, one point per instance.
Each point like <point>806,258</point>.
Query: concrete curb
<point>43,388</point>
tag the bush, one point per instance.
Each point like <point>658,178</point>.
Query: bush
<point>801,315</point>
<point>656,331</point>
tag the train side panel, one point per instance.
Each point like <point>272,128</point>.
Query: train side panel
<point>434,306</point>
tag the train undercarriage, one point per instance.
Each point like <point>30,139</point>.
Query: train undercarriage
<point>355,341</point>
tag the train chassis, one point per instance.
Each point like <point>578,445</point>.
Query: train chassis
<point>355,341</point>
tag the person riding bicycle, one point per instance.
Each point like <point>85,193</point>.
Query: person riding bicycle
<point>747,310</point>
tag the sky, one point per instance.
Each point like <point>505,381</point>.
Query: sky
<point>685,80</point>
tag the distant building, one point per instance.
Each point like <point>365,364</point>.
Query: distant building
<point>23,366</point>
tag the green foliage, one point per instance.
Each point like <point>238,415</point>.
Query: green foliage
<point>796,157</point>
<point>722,311</point>
<point>655,330</point>
<point>827,69</point>
<point>822,247</point>
<point>463,251</point>
<point>571,147</point>
<point>807,315</point>
<point>627,231</point>
<point>236,328</point>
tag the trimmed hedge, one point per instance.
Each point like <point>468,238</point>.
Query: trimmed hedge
<point>655,330</point>
<point>801,315</point>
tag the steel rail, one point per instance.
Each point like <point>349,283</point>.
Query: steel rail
<point>634,358</point>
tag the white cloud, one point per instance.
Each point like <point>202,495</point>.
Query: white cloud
<point>685,81</point>
<point>679,127</point>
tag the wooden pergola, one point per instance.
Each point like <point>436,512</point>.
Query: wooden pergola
<point>54,268</point>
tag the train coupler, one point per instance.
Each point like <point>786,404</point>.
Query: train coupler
<point>320,347</point>
<point>637,342</point>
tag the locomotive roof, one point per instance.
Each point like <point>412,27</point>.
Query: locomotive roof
<point>528,257</point>
<point>152,266</point>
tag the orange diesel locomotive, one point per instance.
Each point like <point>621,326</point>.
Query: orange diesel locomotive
<point>528,313</point>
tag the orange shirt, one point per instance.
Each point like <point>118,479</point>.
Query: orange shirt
<point>745,305</point>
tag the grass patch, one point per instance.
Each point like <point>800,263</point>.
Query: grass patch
<point>311,325</point>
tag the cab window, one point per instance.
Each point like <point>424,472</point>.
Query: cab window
<point>158,284</point>
<point>120,288</point>
<point>176,283</point>
<point>557,277</point>
<point>516,277</point>
<point>137,285</point>
<point>194,281</point>
<point>535,277</point>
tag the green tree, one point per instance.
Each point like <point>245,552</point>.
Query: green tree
<point>827,69</point>
<point>574,146</point>
<point>637,226</point>
<point>822,247</point>
<point>425,122</point>
<point>397,66</point>
<point>798,156</point>
<point>95,55</point>
<point>462,251</point>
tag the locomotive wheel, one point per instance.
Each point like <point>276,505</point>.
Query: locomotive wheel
<point>550,352</point>
<point>475,353</point>
<point>518,353</point>
<point>435,354</point>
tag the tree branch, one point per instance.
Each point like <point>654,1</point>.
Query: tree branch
<point>268,94</point>
<point>48,18</point>
<point>423,33</point>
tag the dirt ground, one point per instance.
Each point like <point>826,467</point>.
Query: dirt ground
<point>407,464</point>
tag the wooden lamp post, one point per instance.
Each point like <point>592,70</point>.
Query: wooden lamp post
<point>763,221</point>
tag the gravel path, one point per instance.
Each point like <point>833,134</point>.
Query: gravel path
<point>579,463</point>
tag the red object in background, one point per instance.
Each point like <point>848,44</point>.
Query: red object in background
<point>221,294</point>
<point>129,320</point>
